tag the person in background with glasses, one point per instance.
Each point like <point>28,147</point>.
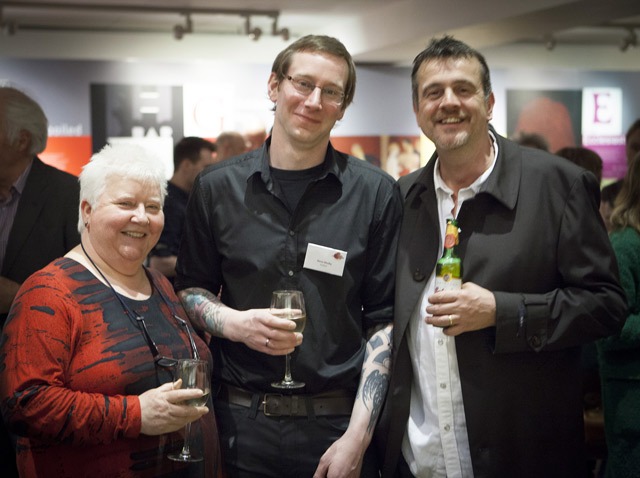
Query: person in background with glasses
<point>295,214</point>
<point>88,349</point>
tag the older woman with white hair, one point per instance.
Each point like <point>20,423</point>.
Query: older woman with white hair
<point>87,353</point>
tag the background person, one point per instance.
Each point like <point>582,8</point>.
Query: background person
<point>486,379</point>
<point>85,375</point>
<point>296,214</point>
<point>38,211</point>
<point>610,191</point>
<point>190,156</point>
<point>230,144</point>
<point>619,354</point>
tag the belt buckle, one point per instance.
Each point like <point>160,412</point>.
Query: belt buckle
<point>265,402</point>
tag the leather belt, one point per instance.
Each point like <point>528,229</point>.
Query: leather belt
<point>339,402</point>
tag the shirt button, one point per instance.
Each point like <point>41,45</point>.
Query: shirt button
<point>443,385</point>
<point>447,428</point>
<point>291,233</point>
<point>440,341</point>
<point>290,273</point>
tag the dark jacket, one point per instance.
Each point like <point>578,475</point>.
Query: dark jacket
<point>46,222</point>
<point>534,237</point>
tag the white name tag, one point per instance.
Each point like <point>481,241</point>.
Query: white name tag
<point>325,259</point>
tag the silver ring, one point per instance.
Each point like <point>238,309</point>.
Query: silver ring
<point>450,320</point>
<point>266,344</point>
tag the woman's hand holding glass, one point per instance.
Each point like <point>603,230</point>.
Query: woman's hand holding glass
<point>165,409</point>
<point>195,374</point>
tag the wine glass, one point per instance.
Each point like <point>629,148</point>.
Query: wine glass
<point>289,304</point>
<point>194,374</point>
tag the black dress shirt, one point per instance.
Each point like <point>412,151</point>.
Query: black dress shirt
<point>240,237</point>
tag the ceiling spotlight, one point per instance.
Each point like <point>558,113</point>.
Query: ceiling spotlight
<point>549,42</point>
<point>630,40</point>
<point>254,33</point>
<point>180,30</point>
<point>282,32</point>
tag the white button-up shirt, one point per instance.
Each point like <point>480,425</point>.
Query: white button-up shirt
<point>436,443</point>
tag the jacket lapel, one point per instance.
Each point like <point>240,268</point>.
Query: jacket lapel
<point>28,212</point>
<point>418,245</point>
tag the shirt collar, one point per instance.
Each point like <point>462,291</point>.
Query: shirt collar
<point>22,179</point>
<point>331,165</point>
<point>477,184</point>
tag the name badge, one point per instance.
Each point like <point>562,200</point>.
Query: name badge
<point>325,259</point>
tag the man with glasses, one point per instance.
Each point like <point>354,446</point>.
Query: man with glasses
<point>296,214</point>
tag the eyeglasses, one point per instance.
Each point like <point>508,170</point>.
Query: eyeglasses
<point>158,359</point>
<point>329,94</point>
<point>161,360</point>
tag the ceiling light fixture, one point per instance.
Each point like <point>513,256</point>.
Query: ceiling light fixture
<point>549,42</point>
<point>254,33</point>
<point>282,32</point>
<point>10,27</point>
<point>180,30</point>
<point>630,40</point>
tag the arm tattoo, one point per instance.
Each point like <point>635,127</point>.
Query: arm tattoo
<point>374,390</point>
<point>375,380</point>
<point>204,309</point>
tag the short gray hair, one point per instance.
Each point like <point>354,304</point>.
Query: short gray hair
<point>19,112</point>
<point>124,161</point>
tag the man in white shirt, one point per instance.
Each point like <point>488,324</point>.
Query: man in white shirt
<point>486,379</point>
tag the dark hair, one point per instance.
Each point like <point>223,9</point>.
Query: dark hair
<point>583,157</point>
<point>445,48</point>
<point>188,149</point>
<point>318,43</point>
<point>626,212</point>
<point>532,140</point>
<point>632,129</point>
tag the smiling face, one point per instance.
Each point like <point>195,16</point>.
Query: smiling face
<point>307,120</point>
<point>451,108</point>
<point>125,223</point>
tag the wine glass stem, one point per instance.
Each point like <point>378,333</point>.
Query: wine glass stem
<point>187,434</point>
<point>287,369</point>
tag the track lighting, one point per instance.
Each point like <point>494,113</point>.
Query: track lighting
<point>10,27</point>
<point>180,30</point>
<point>254,33</point>
<point>549,42</point>
<point>283,32</point>
<point>630,40</point>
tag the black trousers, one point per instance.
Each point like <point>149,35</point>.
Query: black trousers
<point>8,466</point>
<point>278,447</point>
<point>403,470</point>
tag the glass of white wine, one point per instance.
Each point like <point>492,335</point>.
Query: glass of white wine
<point>289,304</point>
<point>194,374</point>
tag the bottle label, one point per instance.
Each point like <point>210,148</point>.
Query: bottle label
<point>451,236</point>
<point>447,282</point>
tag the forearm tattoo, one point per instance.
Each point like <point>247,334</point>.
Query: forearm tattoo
<point>374,390</point>
<point>204,309</point>
<point>375,380</point>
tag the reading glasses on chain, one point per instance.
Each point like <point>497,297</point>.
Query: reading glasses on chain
<point>329,94</point>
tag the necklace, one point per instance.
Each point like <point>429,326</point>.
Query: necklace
<point>158,359</point>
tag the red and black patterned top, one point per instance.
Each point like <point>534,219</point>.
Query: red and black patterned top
<point>72,364</point>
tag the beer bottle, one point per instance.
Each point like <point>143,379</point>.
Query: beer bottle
<point>449,266</point>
